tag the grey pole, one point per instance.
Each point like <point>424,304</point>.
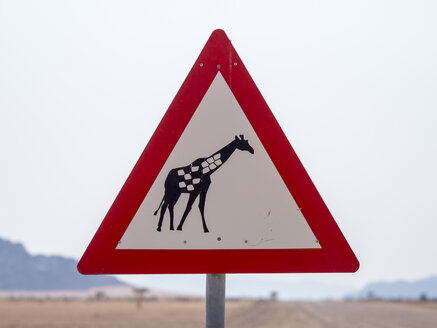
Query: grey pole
<point>215,300</point>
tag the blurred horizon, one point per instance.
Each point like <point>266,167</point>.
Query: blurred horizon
<point>298,287</point>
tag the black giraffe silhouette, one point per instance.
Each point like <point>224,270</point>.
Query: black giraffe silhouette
<point>194,179</point>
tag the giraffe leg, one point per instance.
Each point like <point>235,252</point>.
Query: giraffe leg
<point>170,209</point>
<point>171,205</point>
<point>161,216</point>
<point>202,205</point>
<point>191,200</point>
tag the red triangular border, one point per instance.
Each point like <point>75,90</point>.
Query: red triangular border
<point>102,257</point>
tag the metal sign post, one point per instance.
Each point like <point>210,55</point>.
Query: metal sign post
<point>215,300</point>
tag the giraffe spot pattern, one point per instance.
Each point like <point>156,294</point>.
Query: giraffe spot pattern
<point>188,182</point>
<point>211,163</point>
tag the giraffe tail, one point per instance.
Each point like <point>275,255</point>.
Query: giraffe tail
<point>162,201</point>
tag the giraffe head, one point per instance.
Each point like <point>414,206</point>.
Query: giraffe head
<point>243,144</point>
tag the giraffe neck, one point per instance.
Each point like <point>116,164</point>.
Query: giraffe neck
<point>216,160</point>
<point>226,151</point>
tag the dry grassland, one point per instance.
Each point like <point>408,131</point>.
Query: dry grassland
<point>164,314</point>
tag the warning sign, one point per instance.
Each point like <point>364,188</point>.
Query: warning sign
<point>218,189</point>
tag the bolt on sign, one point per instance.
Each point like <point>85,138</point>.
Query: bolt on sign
<point>218,189</point>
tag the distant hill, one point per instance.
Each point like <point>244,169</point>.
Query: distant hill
<point>424,288</point>
<point>21,271</point>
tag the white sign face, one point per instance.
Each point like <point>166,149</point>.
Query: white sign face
<point>245,202</point>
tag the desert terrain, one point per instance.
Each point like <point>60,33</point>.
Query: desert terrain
<point>239,314</point>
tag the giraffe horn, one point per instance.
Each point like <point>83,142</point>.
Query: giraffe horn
<point>242,136</point>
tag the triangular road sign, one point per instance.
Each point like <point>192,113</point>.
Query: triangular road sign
<point>218,189</point>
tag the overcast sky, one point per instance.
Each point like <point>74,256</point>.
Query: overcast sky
<point>83,85</point>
